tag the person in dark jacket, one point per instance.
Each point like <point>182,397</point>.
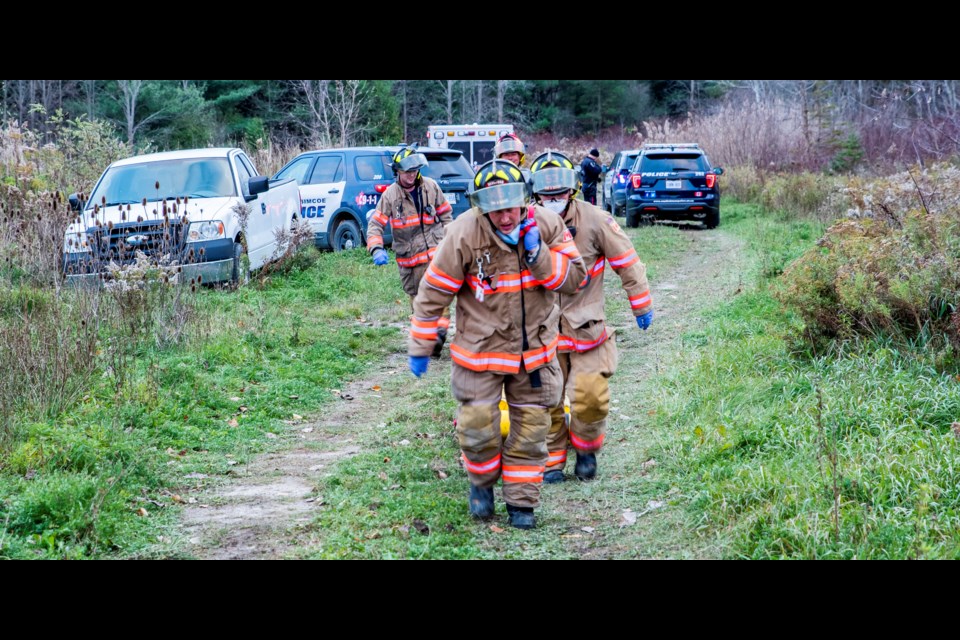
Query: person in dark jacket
<point>591,170</point>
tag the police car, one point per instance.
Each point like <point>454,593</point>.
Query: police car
<point>340,188</point>
<point>615,182</point>
<point>673,182</point>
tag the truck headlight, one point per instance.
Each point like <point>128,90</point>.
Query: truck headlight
<point>208,230</point>
<point>76,243</point>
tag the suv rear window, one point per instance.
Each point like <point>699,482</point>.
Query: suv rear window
<point>627,161</point>
<point>447,166</point>
<point>671,162</point>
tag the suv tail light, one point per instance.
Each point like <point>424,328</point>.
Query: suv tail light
<point>711,180</point>
<point>635,179</point>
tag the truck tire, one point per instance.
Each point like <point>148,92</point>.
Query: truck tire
<point>241,265</point>
<point>712,221</point>
<point>347,236</point>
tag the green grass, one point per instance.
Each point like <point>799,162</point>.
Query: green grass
<point>749,447</point>
<point>72,486</point>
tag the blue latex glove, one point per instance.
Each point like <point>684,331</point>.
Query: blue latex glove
<point>418,365</point>
<point>531,235</point>
<point>644,321</point>
<point>380,257</point>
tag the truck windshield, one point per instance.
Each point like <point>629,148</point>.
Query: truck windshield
<point>191,177</point>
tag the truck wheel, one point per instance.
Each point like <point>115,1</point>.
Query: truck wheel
<point>241,265</point>
<point>347,236</point>
<point>712,221</point>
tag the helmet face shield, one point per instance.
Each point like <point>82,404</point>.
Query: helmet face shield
<point>500,196</point>
<point>410,161</point>
<point>553,180</point>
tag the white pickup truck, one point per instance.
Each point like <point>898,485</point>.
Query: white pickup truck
<point>181,204</point>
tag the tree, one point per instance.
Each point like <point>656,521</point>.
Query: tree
<point>128,97</point>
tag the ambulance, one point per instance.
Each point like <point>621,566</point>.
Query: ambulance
<point>474,140</point>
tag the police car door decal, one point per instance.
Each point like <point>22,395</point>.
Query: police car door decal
<point>324,192</point>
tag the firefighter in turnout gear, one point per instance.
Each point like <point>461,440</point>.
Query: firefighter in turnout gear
<point>418,211</point>
<point>504,260</point>
<point>510,147</point>
<point>588,353</point>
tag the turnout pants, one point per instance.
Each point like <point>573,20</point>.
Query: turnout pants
<point>586,383</point>
<point>521,458</point>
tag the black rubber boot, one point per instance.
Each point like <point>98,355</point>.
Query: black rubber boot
<point>481,502</point>
<point>521,517</point>
<point>552,477</point>
<point>586,468</point>
<point>441,338</point>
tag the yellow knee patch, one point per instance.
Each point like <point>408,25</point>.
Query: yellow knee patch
<point>478,427</point>
<point>591,399</point>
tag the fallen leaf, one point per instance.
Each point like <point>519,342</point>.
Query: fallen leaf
<point>382,475</point>
<point>656,504</point>
<point>294,397</point>
<point>182,452</point>
<point>587,529</point>
<point>196,475</point>
<point>191,501</point>
<point>956,428</point>
<point>346,396</point>
<point>394,486</point>
<point>441,475</point>
<point>232,462</point>
<point>422,527</point>
<point>627,518</point>
<point>373,535</point>
<point>232,422</point>
<point>623,417</point>
<point>404,530</point>
<point>176,498</point>
<point>171,451</point>
<point>404,442</point>
<point>571,535</point>
<point>649,463</point>
<point>495,529</point>
<point>242,409</point>
<point>235,399</point>
<point>142,512</point>
<point>270,435</point>
<point>386,458</point>
<point>335,392</point>
<point>375,387</point>
<point>652,412</point>
<point>307,430</point>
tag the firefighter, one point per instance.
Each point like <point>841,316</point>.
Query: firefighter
<point>503,260</point>
<point>587,350</point>
<point>418,211</point>
<point>510,147</point>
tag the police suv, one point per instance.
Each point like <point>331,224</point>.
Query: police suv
<point>340,188</point>
<point>673,182</point>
